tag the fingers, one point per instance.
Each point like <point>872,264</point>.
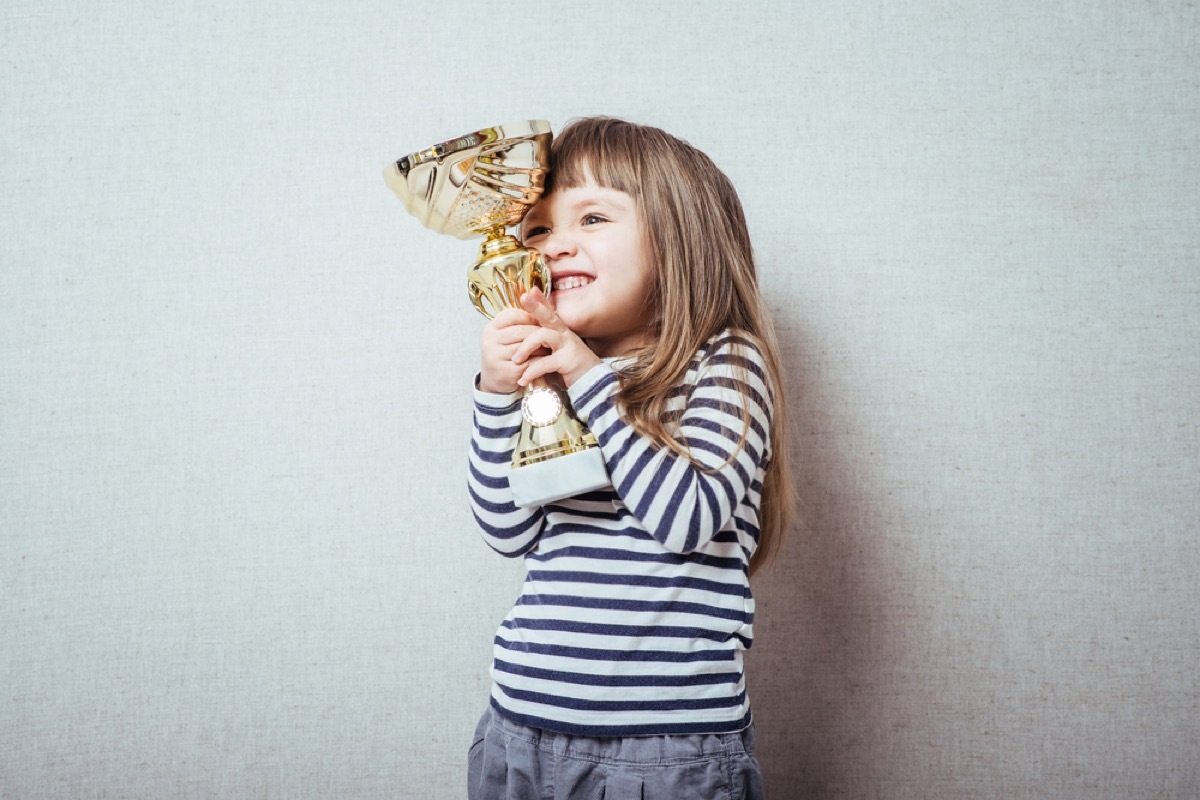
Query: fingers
<point>500,338</point>
<point>542,343</point>
<point>510,327</point>
<point>565,353</point>
<point>538,340</point>
<point>538,369</point>
<point>513,316</point>
<point>535,303</point>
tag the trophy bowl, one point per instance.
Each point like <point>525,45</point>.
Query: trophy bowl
<point>480,184</point>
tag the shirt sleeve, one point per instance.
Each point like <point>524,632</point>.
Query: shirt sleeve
<point>509,530</point>
<point>683,502</point>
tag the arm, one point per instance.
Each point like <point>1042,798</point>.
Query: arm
<point>507,529</point>
<point>684,502</point>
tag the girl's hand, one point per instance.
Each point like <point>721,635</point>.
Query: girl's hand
<point>498,372</point>
<point>568,355</point>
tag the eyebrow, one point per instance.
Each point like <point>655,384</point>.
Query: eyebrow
<point>539,214</point>
<point>595,201</point>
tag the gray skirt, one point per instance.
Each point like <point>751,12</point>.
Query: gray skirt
<point>509,761</point>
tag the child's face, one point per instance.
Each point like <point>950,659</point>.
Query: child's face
<point>592,241</point>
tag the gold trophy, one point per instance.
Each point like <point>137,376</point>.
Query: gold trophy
<point>479,185</point>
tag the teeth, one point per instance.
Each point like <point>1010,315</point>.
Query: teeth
<point>571,282</point>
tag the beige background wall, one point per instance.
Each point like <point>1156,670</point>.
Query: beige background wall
<point>235,557</point>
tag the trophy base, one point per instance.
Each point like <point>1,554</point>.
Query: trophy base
<point>555,478</point>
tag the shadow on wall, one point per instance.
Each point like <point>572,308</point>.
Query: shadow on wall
<point>810,674</point>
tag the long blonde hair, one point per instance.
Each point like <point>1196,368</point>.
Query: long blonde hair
<point>704,281</point>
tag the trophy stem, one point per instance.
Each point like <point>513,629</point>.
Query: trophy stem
<point>498,241</point>
<point>506,269</point>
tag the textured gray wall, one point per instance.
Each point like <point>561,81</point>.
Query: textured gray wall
<point>236,556</point>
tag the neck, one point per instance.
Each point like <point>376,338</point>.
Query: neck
<point>619,346</point>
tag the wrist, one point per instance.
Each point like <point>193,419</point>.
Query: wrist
<point>491,387</point>
<point>580,370</point>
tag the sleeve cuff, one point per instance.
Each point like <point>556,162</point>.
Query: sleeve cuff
<point>494,401</point>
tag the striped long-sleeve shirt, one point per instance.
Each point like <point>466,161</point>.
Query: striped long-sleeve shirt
<point>636,607</point>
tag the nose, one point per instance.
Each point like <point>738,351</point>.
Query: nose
<point>556,245</point>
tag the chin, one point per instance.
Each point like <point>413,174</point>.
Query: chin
<point>567,313</point>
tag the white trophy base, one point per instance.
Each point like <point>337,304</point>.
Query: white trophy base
<point>558,477</point>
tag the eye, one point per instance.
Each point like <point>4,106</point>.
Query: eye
<point>592,219</point>
<point>536,230</point>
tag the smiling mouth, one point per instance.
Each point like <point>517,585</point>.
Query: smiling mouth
<point>570,282</point>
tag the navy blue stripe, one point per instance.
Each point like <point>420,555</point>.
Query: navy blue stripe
<point>724,406</point>
<point>723,481</point>
<point>680,492</point>
<point>623,604</point>
<point>490,411</point>
<point>488,457</point>
<point>603,406</point>
<point>656,729</point>
<point>486,481</point>
<point>511,532</point>
<point>634,472</point>
<point>732,337</point>
<point>622,555</point>
<point>520,551</point>
<point>725,433</point>
<point>606,513</point>
<point>747,528</point>
<point>728,537</point>
<point>599,654</point>
<point>611,432</point>
<point>591,679</point>
<point>708,488</point>
<point>601,384</point>
<point>726,458</point>
<point>573,505</point>
<point>566,528</point>
<point>507,507</point>
<point>676,704</point>
<point>671,416</point>
<point>733,384</point>
<point>715,427</point>
<point>741,362</point>
<point>603,629</point>
<point>693,530</point>
<point>712,426</point>
<point>498,433</point>
<point>657,481</point>
<point>716,587</point>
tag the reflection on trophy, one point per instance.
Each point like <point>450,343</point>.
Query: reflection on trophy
<point>478,185</point>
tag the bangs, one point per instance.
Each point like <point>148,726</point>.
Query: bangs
<point>606,150</point>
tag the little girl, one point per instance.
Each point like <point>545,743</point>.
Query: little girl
<point>618,673</point>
